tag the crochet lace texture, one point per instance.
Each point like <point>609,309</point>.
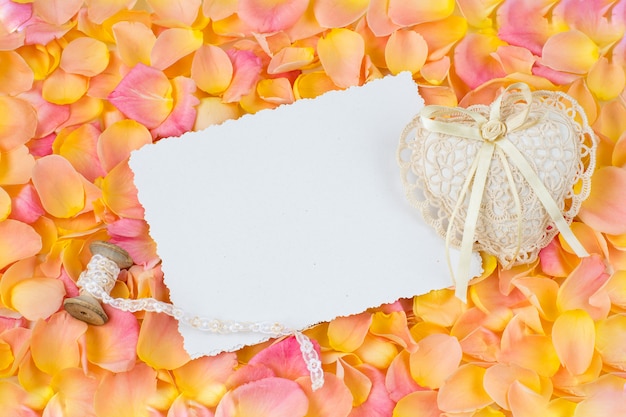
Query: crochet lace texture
<point>557,142</point>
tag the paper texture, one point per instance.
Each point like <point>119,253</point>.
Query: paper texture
<point>295,215</point>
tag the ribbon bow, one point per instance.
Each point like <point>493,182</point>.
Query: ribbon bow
<point>492,133</point>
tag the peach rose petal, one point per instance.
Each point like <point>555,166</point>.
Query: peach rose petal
<point>16,166</point>
<point>271,15</point>
<point>570,51</point>
<point>378,20</point>
<point>113,346</point>
<point>606,79</point>
<point>393,326</point>
<point>611,121</point>
<point>478,12</point>
<point>126,393</point>
<point>463,391</point>
<point>59,186</point>
<point>437,357</point>
<point>85,56</point>
<point>331,400</point>
<point>436,72</point>
<point>357,382</point>
<point>515,59</point>
<point>64,88</point>
<point>335,14</point>
<point>55,343</point>
<point>284,359</point>
<point>412,12</point>
<point>79,148</point>
<point>15,74</point>
<point>573,335</point>
<point>183,407</point>
<point>57,12</point>
<point>398,379</point>
<point>341,53</point>
<point>172,45</point>
<point>290,59</point>
<point>203,379</point>
<point>421,403</point>
<point>37,298</point>
<point>211,69</point>
<point>603,403</point>
<point>541,293</point>
<point>134,42</point>
<point>178,12</point>
<point>120,193</point>
<point>160,345</point>
<point>500,377</point>
<point>582,288</point>
<point>116,142</point>
<point>610,340</point>
<point>406,50</point>
<point>17,241</point>
<point>211,111</point>
<point>100,10</point>
<point>145,95</point>
<point>378,402</point>
<point>439,307</point>
<point>605,210</point>
<point>525,402</point>
<point>442,35</point>
<point>5,204</point>
<point>580,91</point>
<point>74,394</point>
<point>346,334</point>
<point>219,9</point>
<point>18,122</point>
<point>473,59</point>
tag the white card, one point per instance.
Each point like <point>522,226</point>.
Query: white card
<point>294,215</point>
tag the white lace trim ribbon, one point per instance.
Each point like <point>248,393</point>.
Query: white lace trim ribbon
<point>100,276</point>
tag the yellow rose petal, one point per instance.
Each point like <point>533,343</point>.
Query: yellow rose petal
<point>64,88</point>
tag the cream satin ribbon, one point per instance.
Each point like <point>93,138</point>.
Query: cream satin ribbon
<point>492,133</point>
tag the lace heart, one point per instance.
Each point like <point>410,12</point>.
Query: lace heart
<point>503,179</point>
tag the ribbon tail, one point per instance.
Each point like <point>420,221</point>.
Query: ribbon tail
<point>469,230</point>
<point>544,196</point>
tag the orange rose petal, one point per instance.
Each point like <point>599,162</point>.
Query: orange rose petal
<point>211,69</point>
<point>478,12</point>
<point>570,51</point>
<point>463,391</point>
<point>117,141</point>
<point>515,59</point>
<point>616,288</point>
<point>603,403</point>
<point>525,402</point>
<point>178,12</point>
<point>357,382</point>
<point>580,91</point>
<point>126,393</point>
<point>37,298</point>
<point>203,379</point>
<point>341,53</point>
<point>334,14</point>
<point>424,402</point>
<point>606,79</point>
<point>398,379</point>
<point>55,343</point>
<point>406,50</point>
<point>120,194</point>
<point>439,307</point>
<point>573,335</point>
<point>79,148</point>
<point>500,377</point>
<point>441,35</point>
<point>134,42</point>
<point>437,357</point>
<point>313,84</point>
<point>18,122</point>
<point>436,72</point>
<point>605,209</point>
<point>377,351</point>
<point>85,56</point>
<point>618,158</point>
<point>59,186</point>
<point>290,59</point>
<point>74,394</point>
<point>611,121</point>
<point>541,293</point>
<point>346,334</point>
<point>271,16</point>
<point>275,397</point>
<point>610,340</point>
<point>275,90</point>
<point>144,94</point>
<point>439,95</point>
<point>15,74</point>
<point>17,241</point>
<point>16,166</point>
<point>393,326</point>
<point>64,88</point>
<point>113,346</point>
<point>160,345</point>
<point>56,12</point>
<point>172,45</point>
<point>412,12</point>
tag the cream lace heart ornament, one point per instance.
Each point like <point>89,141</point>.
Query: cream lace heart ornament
<point>504,178</point>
